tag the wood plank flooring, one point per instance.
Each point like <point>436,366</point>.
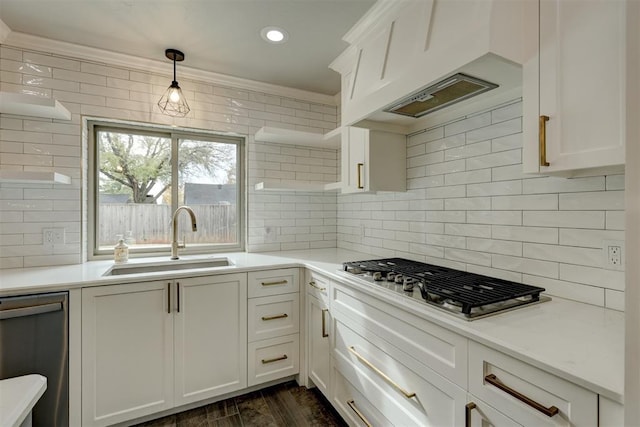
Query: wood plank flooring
<point>282,405</point>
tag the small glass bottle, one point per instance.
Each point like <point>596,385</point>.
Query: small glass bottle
<point>121,251</point>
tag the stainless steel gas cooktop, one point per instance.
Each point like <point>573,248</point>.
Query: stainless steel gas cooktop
<point>467,295</point>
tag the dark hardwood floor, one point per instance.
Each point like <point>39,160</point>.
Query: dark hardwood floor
<point>281,405</point>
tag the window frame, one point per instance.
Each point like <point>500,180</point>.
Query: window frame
<point>175,134</point>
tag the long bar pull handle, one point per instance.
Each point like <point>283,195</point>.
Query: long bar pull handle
<point>278,282</point>
<point>467,413</point>
<point>275,359</point>
<point>494,381</point>
<point>313,285</point>
<point>169,297</point>
<point>543,140</point>
<point>324,323</point>
<point>360,166</point>
<point>178,300</point>
<point>384,376</point>
<point>352,405</point>
<point>30,311</point>
<point>276,316</point>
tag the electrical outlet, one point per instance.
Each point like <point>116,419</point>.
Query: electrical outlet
<point>52,236</point>
<point>613,254</point>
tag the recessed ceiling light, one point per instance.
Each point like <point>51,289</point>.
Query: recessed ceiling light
<point>274,35</point>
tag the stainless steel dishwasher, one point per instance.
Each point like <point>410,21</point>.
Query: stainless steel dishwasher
<point>34,340</point>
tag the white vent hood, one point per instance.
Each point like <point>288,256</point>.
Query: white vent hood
<point>402,47</point>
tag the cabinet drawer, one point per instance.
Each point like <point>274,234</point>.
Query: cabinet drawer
<point>318,285</point>
<point>404,396</point>
<point>273,316</point>
<point>496,378</point>
<point>353,406</point>
<point>436,348</point>
<point>273,358</point>
<point>273,282</point>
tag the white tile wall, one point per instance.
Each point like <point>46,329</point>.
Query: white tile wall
<point>276,220</point>
<point>482,214</point>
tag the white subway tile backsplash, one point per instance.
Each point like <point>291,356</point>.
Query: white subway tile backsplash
<point>565,254</point>
<point>615,220</point>
<point>615,182</point>
<point>566,219</point>
<point>562,185</point>
<point>502,158</point>
<point>600,277</point>
<point>465,151</point>
<point>588,238</point>
<point>495,130</point>
<point>467,124</point>
<point>483,175</point>
<point>468,204</point>
<point>595,200</point>
<point>614,299</point>
<point>569,290</point>
<point>503,247</point>
<point>532,202</point>
<point>495,188</point>
<point>525,234</point>
<point>495,217</point>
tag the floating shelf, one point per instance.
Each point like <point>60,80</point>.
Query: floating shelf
<point>296,186</point>
<point>295,137</point>
<point>34,177</point>
<point>22,104</point>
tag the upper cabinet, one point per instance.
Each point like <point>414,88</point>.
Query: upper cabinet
<point>401,47</point>
<point>574,87</point>
<point>373,161</point>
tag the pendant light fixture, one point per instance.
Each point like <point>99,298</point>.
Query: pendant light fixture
<point>173,102</point>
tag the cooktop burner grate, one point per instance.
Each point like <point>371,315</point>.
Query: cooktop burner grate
<point>454,290</point>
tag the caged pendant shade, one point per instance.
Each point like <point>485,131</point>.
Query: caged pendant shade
<point>173,102</point>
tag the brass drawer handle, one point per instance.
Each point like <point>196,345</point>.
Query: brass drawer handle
<point>384,376</point>
<point>276,316</point>
<point>279,282</point>
<point>543,140</point>
<point>352,405</point>
<point>275,359</point>
<point>360,166</point>
<point>467,413</point>
<point>313,285</point>
<point>169,297</point>
<point>324,323</point>
<point>494,381</point>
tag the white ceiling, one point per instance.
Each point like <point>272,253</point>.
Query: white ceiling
<point>221,36</point>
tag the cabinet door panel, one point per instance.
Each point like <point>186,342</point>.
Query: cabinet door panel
<point>582,87</point>
<point>127,352</point>
<point>210,335</point>
<point>319,345</point>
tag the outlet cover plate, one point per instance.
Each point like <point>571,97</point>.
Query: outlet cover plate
<point>607,248</point>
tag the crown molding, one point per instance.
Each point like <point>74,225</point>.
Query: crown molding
<point>106,57</point>
<point>4,31</point>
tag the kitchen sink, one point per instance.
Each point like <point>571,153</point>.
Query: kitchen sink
<point>168,265</point>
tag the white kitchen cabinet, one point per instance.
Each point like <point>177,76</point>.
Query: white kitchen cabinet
<point>406,396</point>
<point>526,394</point>
<point>152,346</point>
<point>373,161</point>
<point>318,333</point>
<point>210,337</point>
<point>274,325</point>
<point>319,349</point>
<point>574,87</point>
<point>610,413</point>
<point>127,352</point>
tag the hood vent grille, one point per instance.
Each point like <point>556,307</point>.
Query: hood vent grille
<point>451,90</point>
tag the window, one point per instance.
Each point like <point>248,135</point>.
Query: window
<point>140,175</point>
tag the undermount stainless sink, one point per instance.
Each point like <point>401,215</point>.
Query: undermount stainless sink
<point>168,265</point>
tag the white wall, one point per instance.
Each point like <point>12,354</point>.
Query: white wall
<point>468,206</point>
<point>99,90</point>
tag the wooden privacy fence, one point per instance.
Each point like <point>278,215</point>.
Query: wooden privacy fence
<point>151,224</point>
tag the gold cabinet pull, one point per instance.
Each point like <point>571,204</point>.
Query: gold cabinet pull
<point>276,316</point>
<point>275,359</point>
<point>279,282</point>
<point>384,376</point>
<point>543,140</point>
<point>313,285</point>
<point>178,293</point>
<point>352,405</point>
<point>169,297</point>
<point>360,166</point>
<point>494,381</point>
<point>324,323</point>
<point>467,413</point>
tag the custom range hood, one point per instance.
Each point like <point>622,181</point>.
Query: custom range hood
<point>444,93</point>
<point>416,59</point>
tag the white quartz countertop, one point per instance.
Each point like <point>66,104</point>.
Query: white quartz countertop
<point>578,342</point>
<point>18,396</point>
